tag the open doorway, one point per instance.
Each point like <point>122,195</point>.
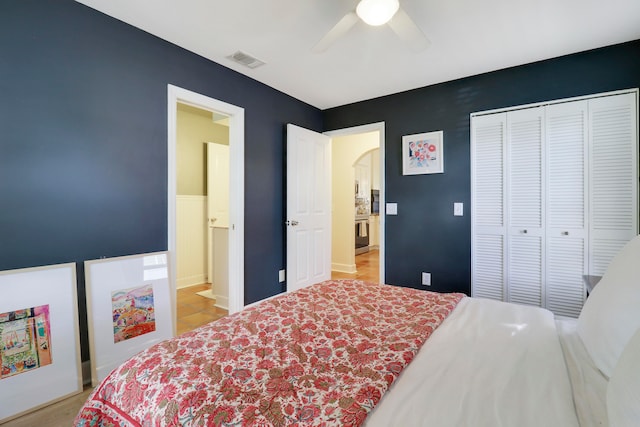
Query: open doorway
<point>225,255</point>
<point>357,202</point>
<point>202,216</point>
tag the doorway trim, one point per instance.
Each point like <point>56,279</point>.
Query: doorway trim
<point>380,128</point>
<point>236,186</point>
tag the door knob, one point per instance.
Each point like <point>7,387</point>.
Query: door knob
<point>292,223</point>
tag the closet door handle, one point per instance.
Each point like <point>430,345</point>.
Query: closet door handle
<point>565,233</point>
<point>524,231</point>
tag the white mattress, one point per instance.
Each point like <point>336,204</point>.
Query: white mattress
<point>588,383</point>
<point>489,364</point>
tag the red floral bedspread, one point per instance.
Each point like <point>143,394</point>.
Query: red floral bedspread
<point>323,355</point>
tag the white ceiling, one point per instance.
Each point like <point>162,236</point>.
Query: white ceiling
<point>467,37</point>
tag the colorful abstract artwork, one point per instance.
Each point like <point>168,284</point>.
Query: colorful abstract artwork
<point>422,153</point>
<point>25,340</point>
<point>133,312</point>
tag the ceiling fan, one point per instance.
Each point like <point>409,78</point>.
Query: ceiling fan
<point>375,13</point>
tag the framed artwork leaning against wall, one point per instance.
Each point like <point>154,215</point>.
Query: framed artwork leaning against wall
<point>39,338</point>
<point>129,308</point>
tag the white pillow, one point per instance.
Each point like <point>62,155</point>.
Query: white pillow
<point>611,314</point>
<point>623,391</point>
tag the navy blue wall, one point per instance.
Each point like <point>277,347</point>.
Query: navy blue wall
<point>425,234</point>
<point>83,141</point>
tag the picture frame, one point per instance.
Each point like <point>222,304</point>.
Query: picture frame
<point>130,307</point>
<point>423,153</point>
<point>40,358</point>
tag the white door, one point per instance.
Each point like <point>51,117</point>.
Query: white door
<point>566,219</point>
<point>218,184</point>
<point>613,195</point>
<point>218,219</point>
<point>525,183</point>
<point>488,148</point>
<point>308,207</point>
<point>560,159</point>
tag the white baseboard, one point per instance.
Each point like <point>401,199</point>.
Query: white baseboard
<point>344,268</point>
<point>185,282</point>
<point>222,302</point>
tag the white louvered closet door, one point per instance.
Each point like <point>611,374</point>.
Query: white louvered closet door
<point>488,207</point>
<point>566,244</point>
<point>554,197</point>
<point>613,204</point>
<point>525,183</point>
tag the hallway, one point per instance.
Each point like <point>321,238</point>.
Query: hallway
<point>367,265</point>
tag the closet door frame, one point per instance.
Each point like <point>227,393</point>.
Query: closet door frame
<point>476,229</point>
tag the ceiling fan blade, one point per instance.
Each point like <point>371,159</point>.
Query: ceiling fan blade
<point>339,30</point>
<point>408,31</point>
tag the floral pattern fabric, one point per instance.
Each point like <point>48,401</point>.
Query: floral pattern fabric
<point>320,356</point>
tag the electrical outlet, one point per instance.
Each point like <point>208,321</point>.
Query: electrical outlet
<point>281,276</point>
<point>426,279</point>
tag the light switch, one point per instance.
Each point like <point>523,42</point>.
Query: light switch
<point>458,209</point>
<point>392,209</point>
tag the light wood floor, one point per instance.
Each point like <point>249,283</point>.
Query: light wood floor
<point>367,266</point>
<point>193,311</point>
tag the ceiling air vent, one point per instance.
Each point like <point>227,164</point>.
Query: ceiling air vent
<point>245,59</point>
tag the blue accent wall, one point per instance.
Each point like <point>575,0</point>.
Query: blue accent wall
<point>83,142</point>
<point>425,236</point>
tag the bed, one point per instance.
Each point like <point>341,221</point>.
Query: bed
<point>348,352</point>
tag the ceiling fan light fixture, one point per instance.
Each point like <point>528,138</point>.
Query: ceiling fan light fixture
<point>377,12</point>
